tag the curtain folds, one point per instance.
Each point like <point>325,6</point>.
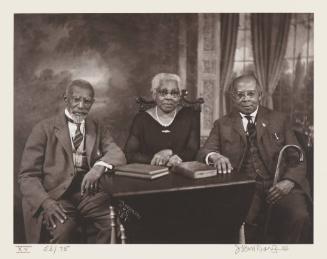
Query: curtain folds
<point>228,40</point>
<point>269,42</point>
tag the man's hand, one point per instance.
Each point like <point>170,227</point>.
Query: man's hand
<point>162,157</point>
<point>221,163</point>
<point>174,160</point>
<point>53,212</point>
<point>90,181</point>
<point>278,191</point>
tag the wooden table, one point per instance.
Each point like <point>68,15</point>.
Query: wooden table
<point>176,209</point>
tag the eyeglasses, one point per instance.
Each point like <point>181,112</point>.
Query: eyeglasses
<point>78,99</point>
<point>165,92</point>
<point>240,95</point>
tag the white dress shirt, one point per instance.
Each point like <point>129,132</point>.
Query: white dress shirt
<point>72,129</point>
<point>245,120</point>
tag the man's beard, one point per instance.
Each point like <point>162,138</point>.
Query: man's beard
<point>78,118</point>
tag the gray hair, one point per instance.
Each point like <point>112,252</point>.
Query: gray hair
<point>79,83</point>
<point>159,78</point>
<point>245,77</point>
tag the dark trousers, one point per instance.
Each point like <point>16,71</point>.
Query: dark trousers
<point>289,221</point>
<point>92,210</point>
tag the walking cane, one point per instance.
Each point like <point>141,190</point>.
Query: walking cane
<point>276,180</point>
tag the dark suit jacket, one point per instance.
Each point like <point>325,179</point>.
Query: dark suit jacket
<point>47,167</point>
<point>228,138</point>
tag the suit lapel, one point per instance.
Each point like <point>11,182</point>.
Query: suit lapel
<point>237,125</point>
<point>62,133</point>
<point>90,134</point>
<point>261,123</point>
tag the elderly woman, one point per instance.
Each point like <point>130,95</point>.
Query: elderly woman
<point>166,133</point>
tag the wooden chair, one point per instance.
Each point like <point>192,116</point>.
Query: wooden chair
<point>305,139</point>
<point>117,228</point>
<point>194,105</point>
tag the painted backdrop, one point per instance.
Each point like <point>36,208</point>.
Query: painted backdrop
<point>117,53</point>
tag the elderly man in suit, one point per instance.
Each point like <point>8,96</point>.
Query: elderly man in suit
<point>248,140</point>
<point>62,172</point>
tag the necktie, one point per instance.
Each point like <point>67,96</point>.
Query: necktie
<point>250,128</point>
<point>78,138</point>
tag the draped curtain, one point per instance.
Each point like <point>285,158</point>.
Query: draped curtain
<point>228,40</point>
<point>269,41</point>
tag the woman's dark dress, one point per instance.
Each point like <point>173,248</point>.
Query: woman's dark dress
<point>147,137</point>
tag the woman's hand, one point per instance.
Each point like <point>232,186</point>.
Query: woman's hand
<point>174,160</point>
<point>162,157</point>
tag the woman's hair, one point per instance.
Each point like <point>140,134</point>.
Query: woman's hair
<point>158,78</point>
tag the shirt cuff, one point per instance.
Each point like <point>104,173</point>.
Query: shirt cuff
<point>207,157</point>
<point>106,165</point>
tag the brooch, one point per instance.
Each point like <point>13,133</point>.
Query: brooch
<point>165,131</point>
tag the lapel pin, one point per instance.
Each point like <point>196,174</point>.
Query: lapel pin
<point>264,125</point>
<point>277,138</point>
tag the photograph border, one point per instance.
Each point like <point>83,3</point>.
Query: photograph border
<point>146,6</point>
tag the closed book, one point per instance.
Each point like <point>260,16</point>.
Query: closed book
<point>141,175</point>
<point>141,168</point>
<point>194,169</point>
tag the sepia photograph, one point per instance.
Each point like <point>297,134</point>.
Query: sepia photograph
<point>163,128</point>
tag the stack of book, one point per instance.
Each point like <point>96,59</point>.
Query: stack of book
<point>194,169</point>
<point>144,171</point>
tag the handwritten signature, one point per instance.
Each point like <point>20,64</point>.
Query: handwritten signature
<point>274,249</point>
